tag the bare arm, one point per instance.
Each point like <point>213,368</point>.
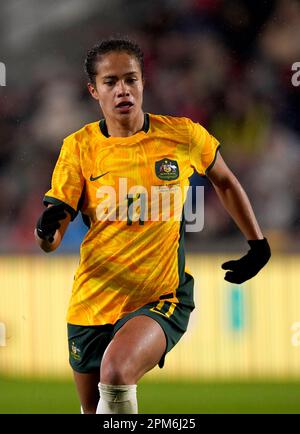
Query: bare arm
<point>236,202</point>
<point>234,199</point>
<point>48,246</point>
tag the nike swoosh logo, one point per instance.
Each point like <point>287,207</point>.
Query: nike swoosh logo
<point>94,178</point>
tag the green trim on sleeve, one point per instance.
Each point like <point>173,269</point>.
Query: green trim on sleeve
<point>53,201</point>
<point>214,160</point>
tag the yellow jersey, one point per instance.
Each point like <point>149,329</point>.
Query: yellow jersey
<point>130,191</point>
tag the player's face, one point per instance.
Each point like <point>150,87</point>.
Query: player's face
<point>119,86</point>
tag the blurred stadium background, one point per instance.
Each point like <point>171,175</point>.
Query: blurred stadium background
<point>226,64</point>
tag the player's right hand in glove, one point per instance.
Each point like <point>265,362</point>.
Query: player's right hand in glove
<point>250,264</point>
<point>48,223</point>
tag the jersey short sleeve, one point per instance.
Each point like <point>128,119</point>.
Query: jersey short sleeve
<point>67,179</point>
<point>203,148</point>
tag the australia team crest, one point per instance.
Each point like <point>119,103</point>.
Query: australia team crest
<point>166,169</point>
<point>75,351</point>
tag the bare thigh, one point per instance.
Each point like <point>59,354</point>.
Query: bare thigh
<point>134,350</point>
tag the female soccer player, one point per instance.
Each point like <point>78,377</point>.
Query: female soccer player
<point>132,296</point>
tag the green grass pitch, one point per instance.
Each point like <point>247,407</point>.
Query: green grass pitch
<point>23,396</point>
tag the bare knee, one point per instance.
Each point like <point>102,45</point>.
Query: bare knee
<point>114,371</point>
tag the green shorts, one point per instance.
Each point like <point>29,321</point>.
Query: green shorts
<point>88,343</point>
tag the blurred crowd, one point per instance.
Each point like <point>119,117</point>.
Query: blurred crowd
<point>226,64</point>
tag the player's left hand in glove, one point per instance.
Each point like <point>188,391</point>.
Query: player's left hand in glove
<point>249,265</point>
<point>48,223</point>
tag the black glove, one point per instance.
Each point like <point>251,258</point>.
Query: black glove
<point>250,264</point>
<point>49,221</point>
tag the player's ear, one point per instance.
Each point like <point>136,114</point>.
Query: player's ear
<point>93,91</point>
